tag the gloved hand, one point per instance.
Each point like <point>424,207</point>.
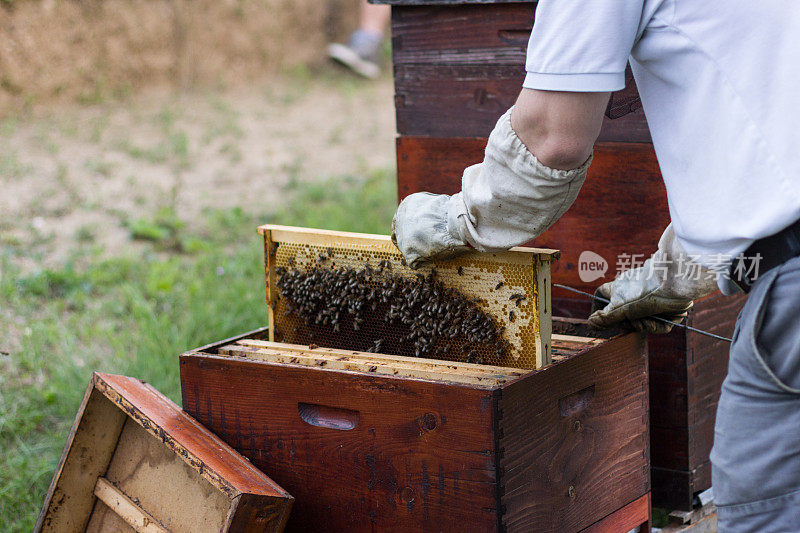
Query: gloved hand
<point>507,200</point>
<point>664,286</point>
<point>419,229</point>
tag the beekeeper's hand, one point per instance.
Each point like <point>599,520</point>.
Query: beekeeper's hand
<point>664,286</point>
<point>419,229</point>
<point>505,201</point>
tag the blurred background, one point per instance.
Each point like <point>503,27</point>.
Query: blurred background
<point>141,143</point>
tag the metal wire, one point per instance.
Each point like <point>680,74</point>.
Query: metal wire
<point>664,320</point>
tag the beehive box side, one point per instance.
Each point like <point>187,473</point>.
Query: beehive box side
<point>359,452</point>
<point>458,68</point>
<point>100,446</point>
<point>628,518</point>
<point>574,444</point>
<point>90,445</point>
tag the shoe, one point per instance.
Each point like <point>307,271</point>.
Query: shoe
<point>360,54</point>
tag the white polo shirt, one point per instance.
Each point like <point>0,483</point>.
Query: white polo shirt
<point>720,85</point>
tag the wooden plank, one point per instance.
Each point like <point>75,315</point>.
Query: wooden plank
<point>420,362</point>
<point>707,366</point>
<point>134,515</point>
<point>557,337</point>
<point>90,445</point>
<point>419,458</point>
<point>545,314</point>
<point>364,365</point>
<point>633,515</point>
<point>368,241</point>
<point>104,519</point>
<point>574,446</point>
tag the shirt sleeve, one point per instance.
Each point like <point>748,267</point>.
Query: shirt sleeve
<point>582,45</point>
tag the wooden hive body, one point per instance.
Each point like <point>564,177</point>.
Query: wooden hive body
<point>459,64</point>
<point>369,442</point>
<point>135,462</point>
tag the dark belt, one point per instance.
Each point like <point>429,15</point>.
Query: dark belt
<point>764,255</point>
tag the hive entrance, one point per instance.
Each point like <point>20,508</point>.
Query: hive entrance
<point>353,292</point>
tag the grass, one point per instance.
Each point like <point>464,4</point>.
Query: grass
<point>134,314</point>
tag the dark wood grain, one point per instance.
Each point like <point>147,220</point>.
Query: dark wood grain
<point>637,513</point>
<point>387,473</point>
<point>557,454</point>
<point>423,455</point>
<point>457,69</point>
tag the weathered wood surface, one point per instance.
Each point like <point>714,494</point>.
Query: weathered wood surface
<point>366,452</point>
<point>118,503</point>
<point>457,69</point>
<point>574,444</point>
<point>420,456</point>
<point>161,459</point>
<point>90,446</point>
<point>637,513</point>
<point>687,372</point>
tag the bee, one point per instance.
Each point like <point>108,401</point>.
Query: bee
<point>497,287</point>
<point>461,271</point>
<point>511,316</point>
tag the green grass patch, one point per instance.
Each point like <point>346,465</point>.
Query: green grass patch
<point>134,314</point>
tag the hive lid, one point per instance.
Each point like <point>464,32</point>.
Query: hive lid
<point>135,461</point>
<point>512,288</point>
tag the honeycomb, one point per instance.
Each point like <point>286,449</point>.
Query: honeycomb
<point>503,285</point>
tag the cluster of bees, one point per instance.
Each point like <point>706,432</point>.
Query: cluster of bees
<point>431,320</point>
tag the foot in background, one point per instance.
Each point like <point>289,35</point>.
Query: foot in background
<point>360,54</point>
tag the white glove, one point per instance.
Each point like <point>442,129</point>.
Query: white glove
<point>507,200</point>
<point>419,229</point>
<point>664,286</point>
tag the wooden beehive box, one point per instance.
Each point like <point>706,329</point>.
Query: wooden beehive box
<point>512,288</point>
<point>135,462</point>
<point>459,65</point>
<point>371,442</point>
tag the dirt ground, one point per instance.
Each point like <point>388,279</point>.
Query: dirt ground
<point>81,173</point>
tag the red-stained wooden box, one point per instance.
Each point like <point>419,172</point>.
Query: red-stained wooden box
<point>559,449</point>
<point>135,462</point>
<point>459,64</point>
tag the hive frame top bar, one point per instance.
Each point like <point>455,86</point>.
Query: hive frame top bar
<point>493,280</point>
<point>322,237</point>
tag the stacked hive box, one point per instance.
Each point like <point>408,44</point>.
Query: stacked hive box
<point>368,442</point>
<point>459,64</point>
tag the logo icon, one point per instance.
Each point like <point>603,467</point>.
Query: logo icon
<point>591,266</point>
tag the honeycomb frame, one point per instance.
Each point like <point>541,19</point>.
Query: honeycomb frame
<point>492,278</point>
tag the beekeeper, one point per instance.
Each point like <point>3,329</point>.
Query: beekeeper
<point>720,85</point>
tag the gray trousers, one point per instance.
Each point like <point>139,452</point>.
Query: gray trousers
<point>756,454</point>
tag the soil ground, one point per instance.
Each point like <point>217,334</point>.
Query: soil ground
<point>85,173</point>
